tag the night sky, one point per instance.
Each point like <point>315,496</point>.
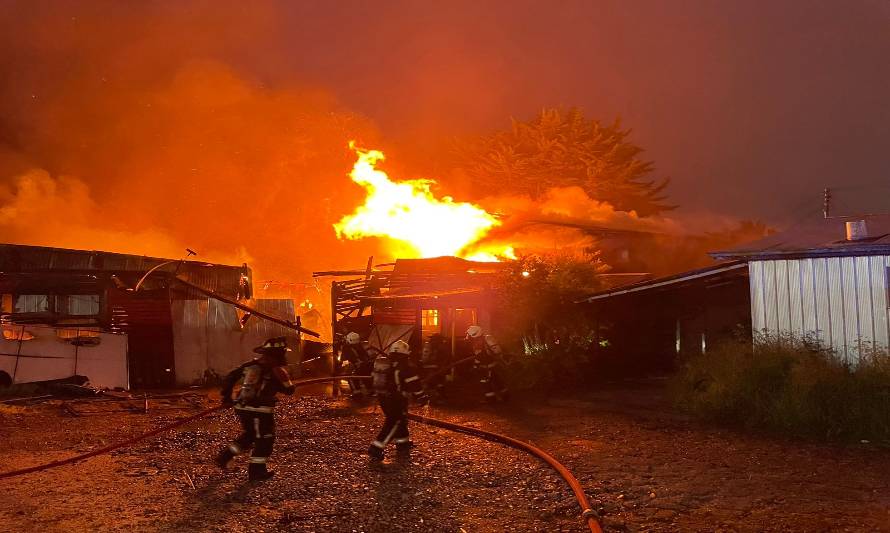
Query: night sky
<point>751,108</point>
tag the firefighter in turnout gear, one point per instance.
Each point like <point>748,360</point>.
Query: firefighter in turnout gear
<point>360,363</point>
<point>394,380</point>
<point>432,360</point>
<point>261,380</point>
<point>488,354</point>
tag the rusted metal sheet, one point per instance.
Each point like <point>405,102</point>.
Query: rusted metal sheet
<point>232,281</point>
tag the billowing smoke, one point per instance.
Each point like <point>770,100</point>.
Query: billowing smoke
<point>121,130</point>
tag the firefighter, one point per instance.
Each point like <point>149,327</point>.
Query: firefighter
<point>488,354</point>
<point>394,380</point>
<point>360,364</point>
<point>432,361</point>
<point>261,379</point>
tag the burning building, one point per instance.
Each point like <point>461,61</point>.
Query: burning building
<point>179,320</point>
<point>414,299</point>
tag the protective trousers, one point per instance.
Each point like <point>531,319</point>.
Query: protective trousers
<point>492,384</point>
<point>259,433</point>
<point>395,426</point>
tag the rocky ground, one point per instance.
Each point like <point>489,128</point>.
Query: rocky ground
<point>645,468</point>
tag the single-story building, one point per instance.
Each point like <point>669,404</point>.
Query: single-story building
<point>177,332</point>
<point>413,300</point>
<point>645,326</point>
<point>826,279</point>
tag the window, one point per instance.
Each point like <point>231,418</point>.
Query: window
<point>82,305</point>
<point>429,322</point>
<point>31,303</point>
<point>5,303</point>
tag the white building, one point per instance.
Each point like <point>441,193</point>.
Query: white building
<point>827,279</point>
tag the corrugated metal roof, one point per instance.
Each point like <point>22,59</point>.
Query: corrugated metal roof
<point>17,258</point>
<point>824,237</point>
<point>709,272</point>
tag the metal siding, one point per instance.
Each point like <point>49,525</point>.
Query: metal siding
<point>880,318</point>
<point>758,320</point>
<point>809,317</point>
<point>864,309</point>
<point>784,321</point>
<point>795,315</point>
<point>835,275</point>
<point>823,301</point>
<point>770,299</point>
<point>847,266</point>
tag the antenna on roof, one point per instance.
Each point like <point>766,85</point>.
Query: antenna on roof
<point>826,202</point>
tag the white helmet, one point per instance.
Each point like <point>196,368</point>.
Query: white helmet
<point>400,347</point>
<point>353,338</point>
<point>474,332</point>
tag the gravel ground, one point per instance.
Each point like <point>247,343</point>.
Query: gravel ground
<point>645,468</point>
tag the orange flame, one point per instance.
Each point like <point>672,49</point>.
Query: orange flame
<point>415,222</point>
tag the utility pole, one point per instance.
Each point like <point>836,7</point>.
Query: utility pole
<point>826,202</point>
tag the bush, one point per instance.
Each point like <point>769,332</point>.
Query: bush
<point>793,386</point>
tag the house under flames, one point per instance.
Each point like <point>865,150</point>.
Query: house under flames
<point>413,300</point>
<point>179,327</point>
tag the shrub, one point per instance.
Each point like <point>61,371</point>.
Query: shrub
<point>793,386</point>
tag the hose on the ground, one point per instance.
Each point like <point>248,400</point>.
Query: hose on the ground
<point>588,514</point>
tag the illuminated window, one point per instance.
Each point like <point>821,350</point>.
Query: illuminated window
<point>5,303</point>
<point>429,317</point>
<point>429,322</point>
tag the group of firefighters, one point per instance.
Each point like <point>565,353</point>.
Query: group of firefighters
<point>396,379</point>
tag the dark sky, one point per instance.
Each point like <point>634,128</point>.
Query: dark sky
<point>751,107</point>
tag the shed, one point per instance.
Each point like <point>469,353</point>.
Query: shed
<point>643,327</point>
<point>826,279</point>
<point>175,332</point>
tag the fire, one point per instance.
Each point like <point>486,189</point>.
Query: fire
<point>416,223</point>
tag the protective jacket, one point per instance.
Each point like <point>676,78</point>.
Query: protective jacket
<point>354,354</point>
<point>259,385</point>
<point>488,355</point>
<point>395,375</point>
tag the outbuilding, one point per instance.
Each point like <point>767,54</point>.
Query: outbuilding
<point>826,279</point>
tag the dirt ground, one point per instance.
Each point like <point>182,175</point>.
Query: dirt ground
<point>646,469</point>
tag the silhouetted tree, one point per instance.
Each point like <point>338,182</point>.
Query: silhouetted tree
<point>562,148</point>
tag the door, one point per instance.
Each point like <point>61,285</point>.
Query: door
<point>146,319</point>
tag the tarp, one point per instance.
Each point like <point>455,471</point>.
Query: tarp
<point>384,335</point>
<point>39,353</point>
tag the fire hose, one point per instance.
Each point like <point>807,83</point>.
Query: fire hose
<point>587,514</point>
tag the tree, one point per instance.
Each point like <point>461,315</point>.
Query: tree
<point>562,148</point>
<point>540,292</point>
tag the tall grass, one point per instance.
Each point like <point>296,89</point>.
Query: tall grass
<point>788,385</point>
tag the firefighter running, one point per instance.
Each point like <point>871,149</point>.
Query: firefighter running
<point>394,380</point>
<point>488,354</point>
<point>261,379</point>
<point>360,364</point>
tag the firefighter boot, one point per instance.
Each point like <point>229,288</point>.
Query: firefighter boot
<point>404,446</point>
<point>258,472</point>
<point>375,452</point>
<point>223,457</point>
